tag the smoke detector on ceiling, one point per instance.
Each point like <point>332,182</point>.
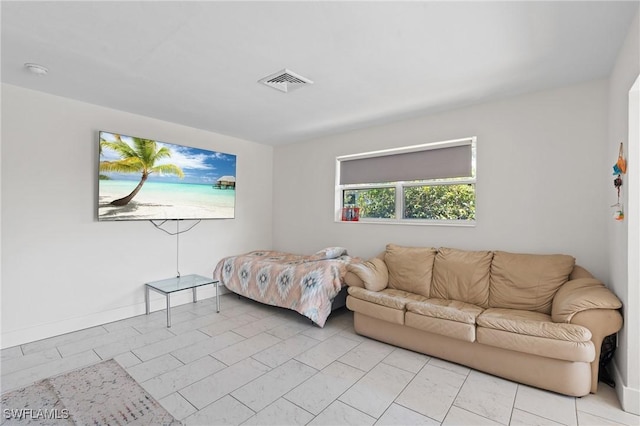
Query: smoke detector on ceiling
<point>285,81</point>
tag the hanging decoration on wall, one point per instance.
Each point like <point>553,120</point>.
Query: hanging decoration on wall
<point>619,169</point>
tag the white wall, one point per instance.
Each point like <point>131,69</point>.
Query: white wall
<point>61,269</point>
<point>539,188</point>
<point>627,361</point>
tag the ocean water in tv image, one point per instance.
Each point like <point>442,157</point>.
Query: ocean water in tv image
<point>166,201</point>
<point>143,179</point>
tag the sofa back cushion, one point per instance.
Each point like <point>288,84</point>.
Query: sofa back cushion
<point>410,268</point>
<point>462,275</point>
<point>527,281</point>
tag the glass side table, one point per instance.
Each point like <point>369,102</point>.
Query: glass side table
<point>171,285</point>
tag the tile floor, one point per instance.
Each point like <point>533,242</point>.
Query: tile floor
<point>257,365</point>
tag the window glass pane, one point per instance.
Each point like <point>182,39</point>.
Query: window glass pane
<point>373,202</point>
<point>440,202</point>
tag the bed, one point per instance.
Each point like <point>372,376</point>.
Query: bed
<point>306,284</point>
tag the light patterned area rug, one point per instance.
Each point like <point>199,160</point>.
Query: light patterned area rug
<point>100,394</point>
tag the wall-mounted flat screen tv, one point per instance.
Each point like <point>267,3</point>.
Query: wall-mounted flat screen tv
<point>145,179</point>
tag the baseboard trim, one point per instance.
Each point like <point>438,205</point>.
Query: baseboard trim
<point>629,397</point>
<point>69,325</point>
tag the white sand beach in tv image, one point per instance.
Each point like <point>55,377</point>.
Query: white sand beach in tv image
<point>143,179</point>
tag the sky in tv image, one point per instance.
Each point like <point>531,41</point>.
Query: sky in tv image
<point>146,179</point>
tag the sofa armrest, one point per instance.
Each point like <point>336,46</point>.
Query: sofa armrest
<point>373,274</point>
<point>352,280</point>
<point>579,272</point>
<point>601,323</point>
<point>581,294</point>
<point>587,302</point>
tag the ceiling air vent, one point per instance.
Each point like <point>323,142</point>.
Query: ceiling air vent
<point>285,81</point>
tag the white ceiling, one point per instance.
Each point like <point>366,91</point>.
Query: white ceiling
<point>198,63</point>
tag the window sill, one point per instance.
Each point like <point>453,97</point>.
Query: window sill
<point>416,222</point>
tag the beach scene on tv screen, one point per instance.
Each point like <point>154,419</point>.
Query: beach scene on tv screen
<point>145,179</point>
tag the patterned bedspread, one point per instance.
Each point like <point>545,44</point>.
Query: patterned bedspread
<point>306,284</point>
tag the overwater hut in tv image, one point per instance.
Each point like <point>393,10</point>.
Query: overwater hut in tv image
<point>226,182</point>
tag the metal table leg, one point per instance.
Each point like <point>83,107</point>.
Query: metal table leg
<point>217,298</point>
<point>168,309</point>
<point>146,298</point>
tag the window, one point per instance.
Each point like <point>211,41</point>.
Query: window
<point>426,184</point>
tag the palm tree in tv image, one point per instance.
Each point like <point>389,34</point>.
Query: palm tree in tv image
<point>139,158</point>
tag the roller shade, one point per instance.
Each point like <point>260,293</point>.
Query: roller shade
<point>439,163</point>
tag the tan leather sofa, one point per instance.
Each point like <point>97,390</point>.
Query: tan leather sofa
<point>534,319</point>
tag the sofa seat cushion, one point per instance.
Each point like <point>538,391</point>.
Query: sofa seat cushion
<point>534,333</point>
<point>389,297</point>
<point>527,281</point>
<point>549,348</point>
<point>388,304</point>
<point>532,324</point>
<point>448,318</point>
<point>451,310</point>
<point>373,310</point>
